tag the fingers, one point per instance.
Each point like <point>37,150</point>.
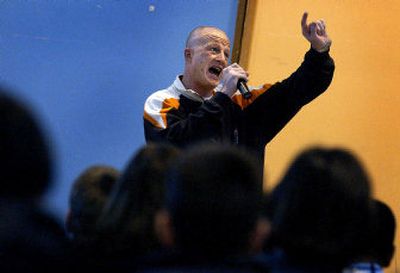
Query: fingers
<point>315,33</point>
<point>320,27</point>
<point>230,77</point>
<point>316,28</point>
<point>238,71</point>
<point>322,23</point>
<point>312,29</point>
<point>234,71</point>
<point>304,21</point>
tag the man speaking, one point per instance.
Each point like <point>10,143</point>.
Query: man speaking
<point>204,104</point>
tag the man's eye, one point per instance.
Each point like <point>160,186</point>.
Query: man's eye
<point>214,49</point>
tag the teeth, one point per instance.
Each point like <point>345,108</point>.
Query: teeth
<point>215,70</point>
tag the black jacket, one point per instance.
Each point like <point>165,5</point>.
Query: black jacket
<point>180,117</point>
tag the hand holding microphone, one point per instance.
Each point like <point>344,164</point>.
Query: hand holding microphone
<point>234,77</point>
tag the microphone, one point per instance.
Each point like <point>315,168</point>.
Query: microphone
<point>243,88</point>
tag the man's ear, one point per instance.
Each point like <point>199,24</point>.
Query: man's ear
<point>258,236</point>
<point>163,228</point>
<point>187,54</point>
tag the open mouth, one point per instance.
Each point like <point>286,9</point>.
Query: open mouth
<point>215,70</point>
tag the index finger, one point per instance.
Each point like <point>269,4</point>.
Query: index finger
<point>304,20</point>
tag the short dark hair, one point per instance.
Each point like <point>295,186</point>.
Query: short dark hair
<point>25,163</point>
<point>382,234</point>
<point>321,208</point>
<point>89,193</point>
<point>214,195</point>
<point>128,217</point>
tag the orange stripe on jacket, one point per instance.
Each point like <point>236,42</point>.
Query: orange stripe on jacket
<point>255,93</point>
<point>168,105</point>
<point>151,120</point>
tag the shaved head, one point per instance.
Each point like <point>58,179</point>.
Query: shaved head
<point>202,34</point>
<point>206,55</point>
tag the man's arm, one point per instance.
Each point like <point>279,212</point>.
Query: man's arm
<point>279,103</point>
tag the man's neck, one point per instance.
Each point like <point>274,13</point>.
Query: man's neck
<point>202,91</point>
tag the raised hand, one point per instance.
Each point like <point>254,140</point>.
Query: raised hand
<point>315,33</point>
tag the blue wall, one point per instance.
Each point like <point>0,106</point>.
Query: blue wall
<point>87,67</point>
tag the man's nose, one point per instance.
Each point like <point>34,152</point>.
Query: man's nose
<point>222,57</point>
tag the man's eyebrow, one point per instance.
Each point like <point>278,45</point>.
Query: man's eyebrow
<point>212,44</point>
<point>217,43</point>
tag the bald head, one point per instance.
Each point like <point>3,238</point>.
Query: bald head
<point>202,34</point>
<point>206,55</point>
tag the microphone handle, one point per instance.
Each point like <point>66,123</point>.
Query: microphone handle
<point>243,88</point>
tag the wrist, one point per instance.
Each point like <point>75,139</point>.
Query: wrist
<point>324,48</point>
<point>226,91</point>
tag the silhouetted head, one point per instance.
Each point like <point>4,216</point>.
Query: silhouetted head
<point>128,218</point>
<point>214,198</point>
<point>321,208</point>
<point>25,164</point>
<point>382,234</point>
<point>89,193</point>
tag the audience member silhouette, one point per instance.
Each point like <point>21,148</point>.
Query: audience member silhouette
<point>89,193</point>
<point>197,211</point>
<point>30,239</point>
<point>213,208</point>
<point>127,225</point>
<point>320,212</point>
<point>383,234</point>
<point>380,248</point>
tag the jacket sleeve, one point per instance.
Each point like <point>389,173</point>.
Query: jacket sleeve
<point>279,103</point>
<point>181,126</point>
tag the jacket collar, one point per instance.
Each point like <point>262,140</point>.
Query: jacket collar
<point>189,93</point>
